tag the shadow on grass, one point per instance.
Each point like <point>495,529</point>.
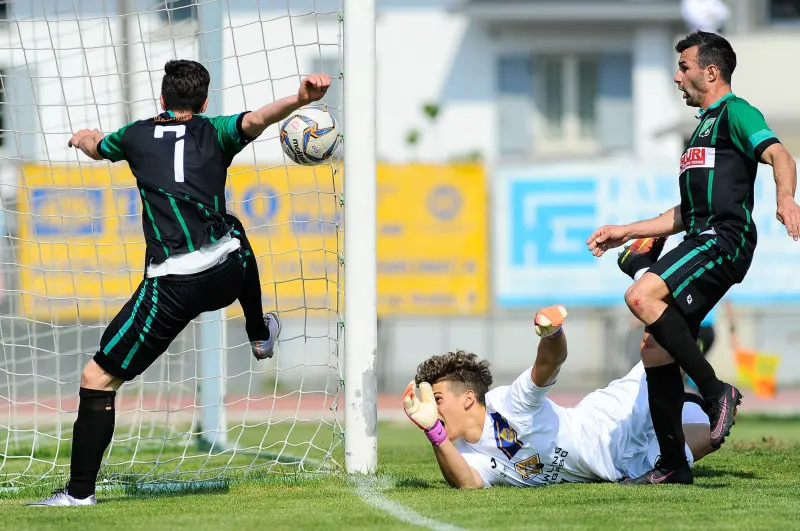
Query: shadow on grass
<point>712,486</point>
<point>416,483</point>
<point>719,473</point>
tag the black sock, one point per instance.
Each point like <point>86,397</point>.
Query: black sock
<point>91,435</point>
<point>250,296</point>
<point>666,396</point>
<point>671,332</point>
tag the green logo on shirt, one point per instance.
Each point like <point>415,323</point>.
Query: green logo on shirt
<point>705,128</point>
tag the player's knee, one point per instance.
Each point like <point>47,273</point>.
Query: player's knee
<point>94,377</point>
<point>635,297</point>
<point>648,288</point>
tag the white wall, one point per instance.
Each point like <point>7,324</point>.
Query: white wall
<point>426,54</point>
<point>765,73</point>
<point>80,85</point>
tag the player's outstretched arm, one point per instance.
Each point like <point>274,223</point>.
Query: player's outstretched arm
<point>312,89</point>
<point>423,412</point>
<point>610,236</point>
<point>784,170</point>
<point>87,140</point>
<point>455,469</point>
<point>552,351</point>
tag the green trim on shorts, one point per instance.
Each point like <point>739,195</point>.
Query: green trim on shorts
<point>128,323</point>
<point>709,266</point>
<point>146,328</point>
<point>691,254</point>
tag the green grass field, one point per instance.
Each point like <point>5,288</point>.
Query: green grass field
<point>752,483</point>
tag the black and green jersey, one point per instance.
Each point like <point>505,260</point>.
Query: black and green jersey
<point>718,172</point>
<point>180,167</point>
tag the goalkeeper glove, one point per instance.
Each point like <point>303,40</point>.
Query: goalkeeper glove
<point>549,321</point>
<point>423,412</point>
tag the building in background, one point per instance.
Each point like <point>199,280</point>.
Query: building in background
<point>570,105</point>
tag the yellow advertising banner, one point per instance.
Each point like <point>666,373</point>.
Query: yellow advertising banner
<point>432,248</point>
<point>81,251</point>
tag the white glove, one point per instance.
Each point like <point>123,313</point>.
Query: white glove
<point>422,411</point>
<point>549,320</point>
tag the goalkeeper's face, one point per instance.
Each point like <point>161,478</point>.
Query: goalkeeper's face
<point>456,407</point>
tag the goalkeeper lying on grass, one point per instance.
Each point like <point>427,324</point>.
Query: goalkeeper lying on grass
<point>515,435</point>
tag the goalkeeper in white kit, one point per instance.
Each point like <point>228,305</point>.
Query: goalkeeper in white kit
<point>514,435</point>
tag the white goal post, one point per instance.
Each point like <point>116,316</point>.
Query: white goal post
<point>361,333</point>
<point>71,248</point>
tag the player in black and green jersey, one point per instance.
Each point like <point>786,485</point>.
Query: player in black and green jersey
<point>717,175</point>
<point>198,258</point>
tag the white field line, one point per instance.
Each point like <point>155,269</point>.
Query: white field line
<point>370,489</point>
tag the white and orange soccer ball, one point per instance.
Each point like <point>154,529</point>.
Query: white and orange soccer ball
<point>310,135</point>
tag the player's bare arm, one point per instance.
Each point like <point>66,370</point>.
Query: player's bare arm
<point>552,350</point>
<point>87,140</point>
<point>611,236</point>
<point>455,469</point>
<point>784,170</point>
<point>423,411</point>
<point>312,89</point>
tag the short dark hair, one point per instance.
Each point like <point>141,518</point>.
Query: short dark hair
<point>185,85</point>
<point>712,49</point>
<point>463,370</point>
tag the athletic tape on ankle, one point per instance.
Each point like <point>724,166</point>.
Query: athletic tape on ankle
<point>437,434</point>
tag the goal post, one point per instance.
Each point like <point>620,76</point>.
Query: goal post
<point>214,426</point>
<point>72,250</point>
<point>360,324</point>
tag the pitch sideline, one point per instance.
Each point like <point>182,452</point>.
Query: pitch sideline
<point>370,489</point>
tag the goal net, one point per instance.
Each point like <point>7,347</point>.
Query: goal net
<point>73,252</point>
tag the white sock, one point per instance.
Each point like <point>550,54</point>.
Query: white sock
<point>639,273</point>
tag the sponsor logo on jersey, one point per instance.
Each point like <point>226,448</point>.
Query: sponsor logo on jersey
<point>529,467</point>
<point>505,436</point>
<point>705,127</point>
<point>698,157</point>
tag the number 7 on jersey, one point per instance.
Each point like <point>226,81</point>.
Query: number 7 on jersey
<point>179,131</point>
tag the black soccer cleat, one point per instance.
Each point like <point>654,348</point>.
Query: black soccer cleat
<point>641,254</point>
<point>660,475</point>
<point>722,414</point>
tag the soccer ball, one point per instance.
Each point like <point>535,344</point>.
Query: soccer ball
<point>310,135</point>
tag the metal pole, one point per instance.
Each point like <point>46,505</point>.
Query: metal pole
<point>212,358</point>
<point>360,324</point>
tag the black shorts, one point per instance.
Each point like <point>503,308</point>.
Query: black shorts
<point>159,310</point>
<point>698,273</point>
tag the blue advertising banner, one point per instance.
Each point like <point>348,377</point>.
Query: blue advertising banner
<point>543,214</point>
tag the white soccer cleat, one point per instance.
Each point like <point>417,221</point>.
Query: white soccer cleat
<point>264,349</point>
<point>548,321</point>
<point>61,498</point>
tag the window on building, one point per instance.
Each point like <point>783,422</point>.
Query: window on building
<point>565,103</point>
<point>784,11</point>
<point>177,10</point>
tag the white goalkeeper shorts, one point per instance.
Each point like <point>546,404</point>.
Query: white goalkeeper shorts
<point>621,414</point>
